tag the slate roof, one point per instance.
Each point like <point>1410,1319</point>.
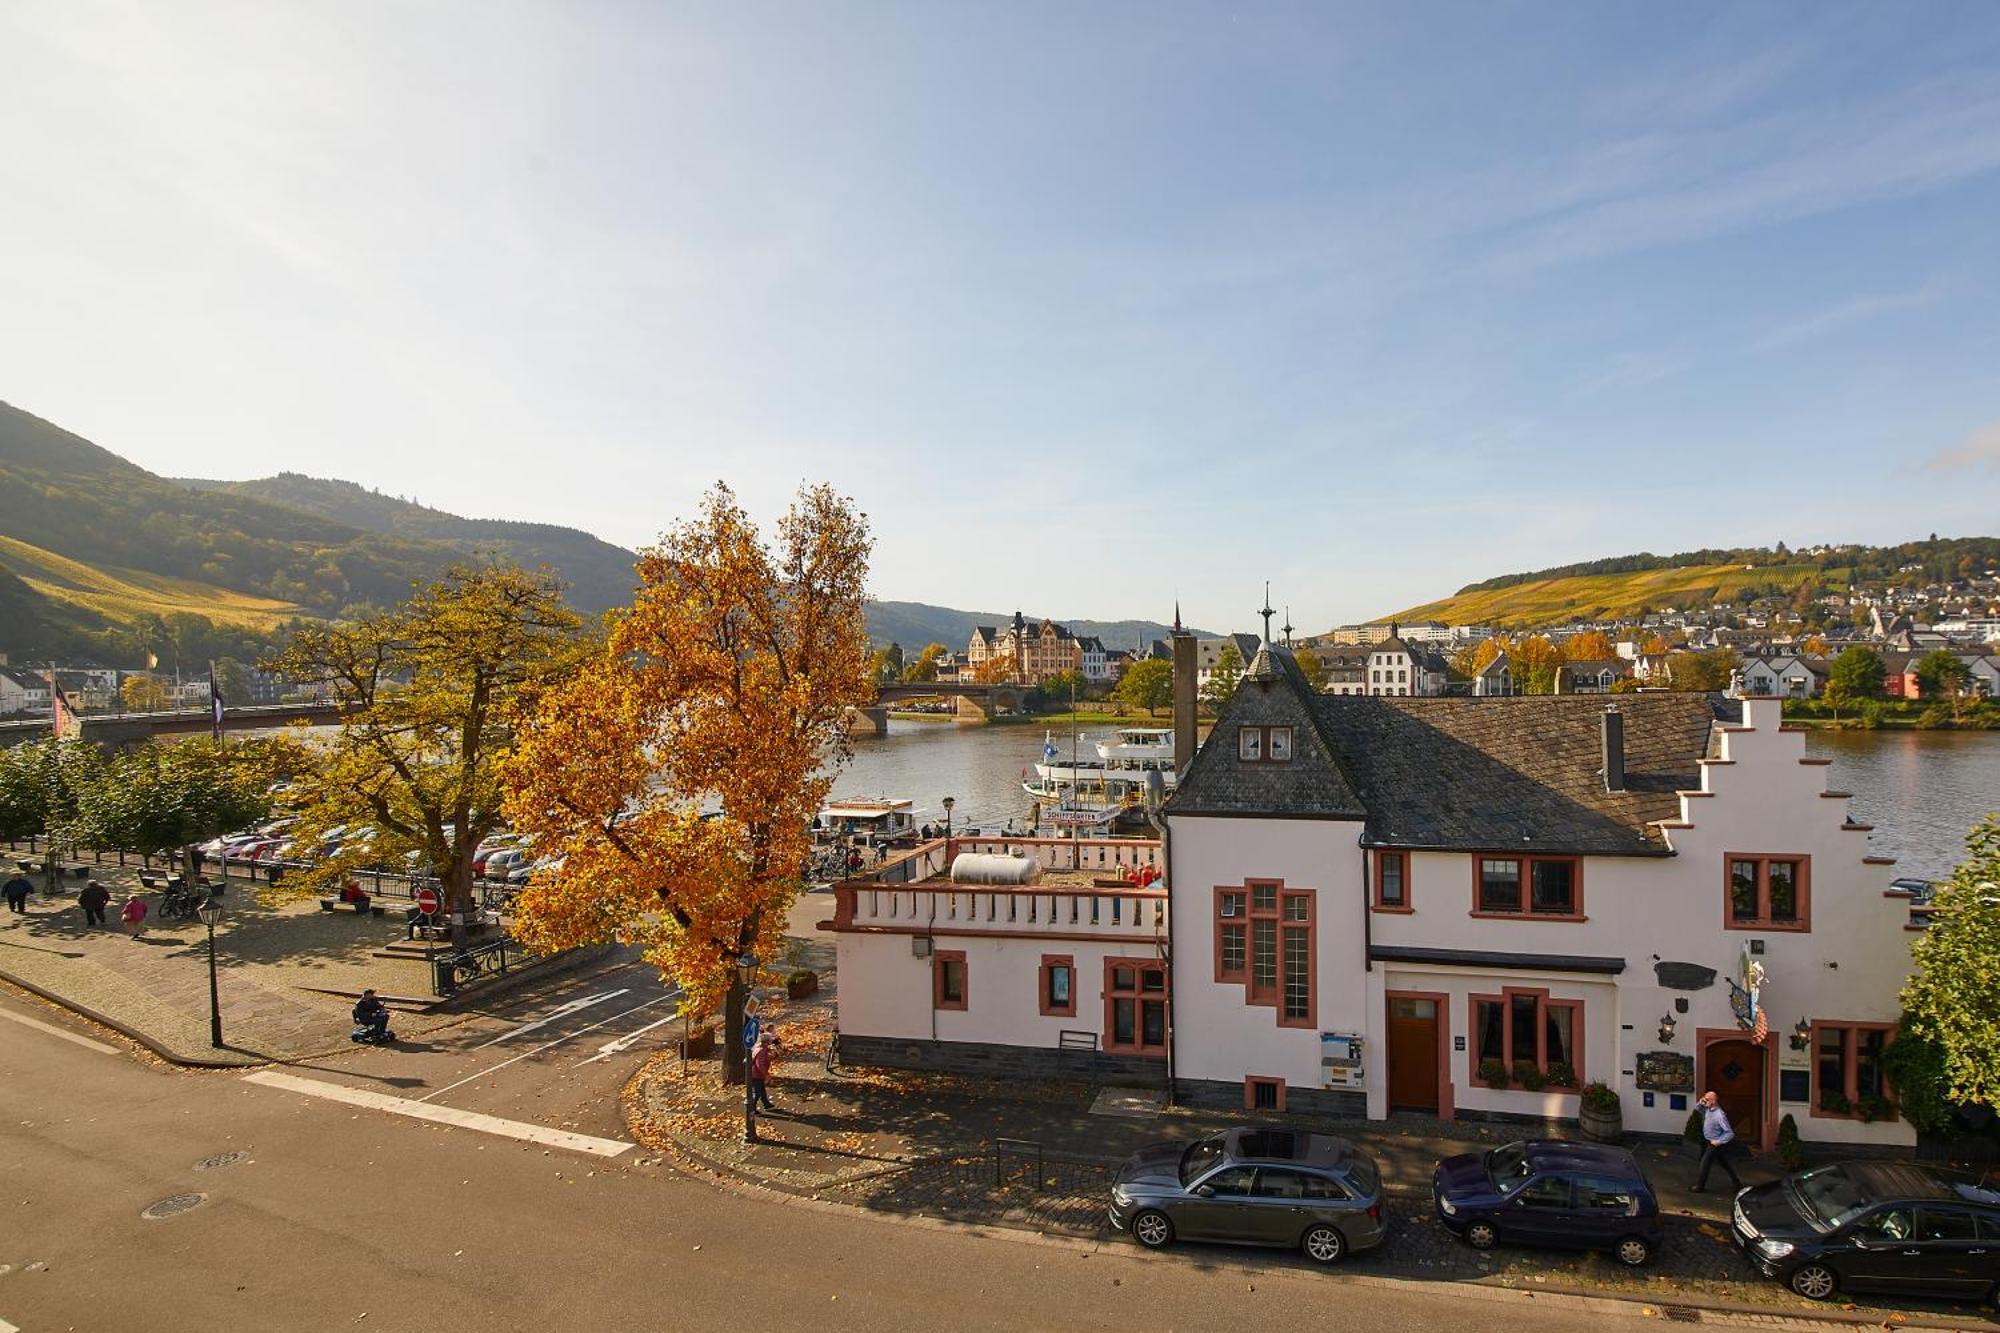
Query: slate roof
<point>1463,774</point>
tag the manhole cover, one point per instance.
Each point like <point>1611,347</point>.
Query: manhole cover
<point>221,1159</point>
<point>172,1204</point>
<point>1682,1314</point>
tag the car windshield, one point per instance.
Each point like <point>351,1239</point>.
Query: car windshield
<point>1199,1157</point>
<point>1361,1174</point>
<point>1830,1195</point>
<point>1507,1166</point>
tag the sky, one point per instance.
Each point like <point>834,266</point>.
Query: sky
<point>1091,307</point>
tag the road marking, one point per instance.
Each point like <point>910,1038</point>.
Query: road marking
<point>624,1043</point>
<point>6,1327</point>
<point>564,1012</point>
<point>537,1050</point>
<point>443,1115</point>
<point>53,1031</point>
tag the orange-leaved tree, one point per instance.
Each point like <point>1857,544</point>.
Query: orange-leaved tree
<point>676,774</point>
<point>1593,645</point>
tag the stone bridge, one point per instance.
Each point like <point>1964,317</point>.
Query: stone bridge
<point>115,731</point>
<point>974,703</point>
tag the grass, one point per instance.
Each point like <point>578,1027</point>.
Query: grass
<point>123,594</point>
<point>1892,715</point>
<point>1605,596</point>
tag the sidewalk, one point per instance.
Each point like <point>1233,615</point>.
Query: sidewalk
<point>155,987</point>
<point>928,1145</point>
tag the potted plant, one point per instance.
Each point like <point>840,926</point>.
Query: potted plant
<point>1529,1075</point>
<point>1873,1106</point>
<point>1561,1075</point>
<point>1601,1115</point>
<point>801,983</point>
<point>1493,1073</point>
<point>1791,1153</point>
<point>1691,1131</point>
<point>1835,1103</point>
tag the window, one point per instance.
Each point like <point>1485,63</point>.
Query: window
<point>1263,1094</point>
<point>1554,886</point>
<point>1607,1197</point>
<point>1231,933</point>
<point>1847,1068</point>
<point>948,979</point>
<point>1264,745</point>
<point>1392,891</point>
<point>1767,892</point>
<point>1250,744</point>
<point>1264,937</point>
<point>1278,745</point>
<point>1526,1027</point>
<point>1945,1224</point>
<point>1237,1180</point>
<point>1545,1192</point>
<point>1058,986</point>
<point>1135,1006</point>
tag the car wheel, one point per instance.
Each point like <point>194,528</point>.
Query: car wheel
<point>1481,1235</point>
<point>1153,1229</point>
<point>1815,1282</point>
<point>1323,1244</point>
<point>1634,1251</point>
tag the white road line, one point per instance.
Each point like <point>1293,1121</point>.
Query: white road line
<point>624,1043</point>
<point>564,1012</point>
<point>537,1050</point>
<point>54,1031</point>
<point>443,1115</point>
<point>6,1327</point>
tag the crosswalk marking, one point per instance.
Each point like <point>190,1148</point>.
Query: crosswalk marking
<point>442,1115</point>
<point>55,1031</point>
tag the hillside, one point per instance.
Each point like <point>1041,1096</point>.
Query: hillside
<point>915,624</point>
<point>1534,603</point>
<point>123,594</point>
<point>599,574</point>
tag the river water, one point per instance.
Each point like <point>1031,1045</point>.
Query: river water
<point>1920,789</point>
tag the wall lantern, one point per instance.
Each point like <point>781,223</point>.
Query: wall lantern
<point>1667,1026</point>
<point>1801,1035</point>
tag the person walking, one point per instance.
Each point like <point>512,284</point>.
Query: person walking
<point>133,914</point>
<point>1718,1143</point>
<point>17,890</point>
<point>94,899</point>
<point>760,1072</point>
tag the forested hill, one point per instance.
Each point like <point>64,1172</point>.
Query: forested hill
<point>917,624</point>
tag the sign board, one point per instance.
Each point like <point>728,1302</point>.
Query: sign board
<point>1664,1071</point>
<point>427,901</point>
<point>1340,1060</point>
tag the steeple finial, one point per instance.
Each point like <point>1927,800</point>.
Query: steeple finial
<point>1287,627</point>
<point>1177,615</point>
<point>1267,612</point>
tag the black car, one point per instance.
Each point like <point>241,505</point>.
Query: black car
<point>1253,1187</point>
<point>1581,1195</point>
<point>1873,1226</point>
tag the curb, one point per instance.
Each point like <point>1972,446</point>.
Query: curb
<point>130,1033</point>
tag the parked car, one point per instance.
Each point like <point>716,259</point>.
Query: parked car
<point>1548,1192</point>
<point>1873,1226</point>
<point>1253,1186</point>
<point>501,863</point>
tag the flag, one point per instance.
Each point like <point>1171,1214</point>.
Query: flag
<point>214,701</point>
<point>152,659</point>
<point>68,724</point>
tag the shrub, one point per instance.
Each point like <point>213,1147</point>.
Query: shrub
<point>1493,1073</point>
<point>1791,1153</point>
<point>1561,1075</point>
<point>1915,1068</point>
<point>1873,1107</point>
<point>1529,1076</point>
<point>1692,1129</point>
<point>800,976</point>
<point>1600,1098</point>
<point>1834,1103</point>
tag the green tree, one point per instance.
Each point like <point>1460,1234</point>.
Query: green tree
<point>1710,670</point>
<point>143,694</point>
<point>168,796</point>
<point>42,787</point>
<point>1944,675</point>
<point>1223,677</point>
<point>1855,675</point>
<point>1953,995</point>
<point>885,665</point>
<point>1535,661</point>
<point>925,668</point>
<point>1148,684</point>
<point>1313,669</point>
<point>430,694</point>
<point>233,679</point>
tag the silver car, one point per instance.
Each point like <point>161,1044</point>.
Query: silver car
<point>1253,1186</point>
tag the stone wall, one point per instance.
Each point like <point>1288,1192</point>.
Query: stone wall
<point>1329,1104</point>
<point>990,1060</point>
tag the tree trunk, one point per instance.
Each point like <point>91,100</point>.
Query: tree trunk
<point>732,1032</point>
<point>458,898</point>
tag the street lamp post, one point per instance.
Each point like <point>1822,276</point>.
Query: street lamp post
<point>746,972</point>
<point>211,912</point>
<point>948,804</point>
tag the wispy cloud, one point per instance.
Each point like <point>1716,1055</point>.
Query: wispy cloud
<point>1845,314</point>
<point>1979,449</point>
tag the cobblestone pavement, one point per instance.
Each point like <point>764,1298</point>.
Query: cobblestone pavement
<point>268,954</point>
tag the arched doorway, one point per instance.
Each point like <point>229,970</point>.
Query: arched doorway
<point>1736,1069</point>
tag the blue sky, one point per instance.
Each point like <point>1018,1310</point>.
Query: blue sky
<point>1091,307</point>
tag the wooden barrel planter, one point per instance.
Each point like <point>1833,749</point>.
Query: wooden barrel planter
<point>1600,1117</point>
<point>699,1044</point>
<point>801,984</point>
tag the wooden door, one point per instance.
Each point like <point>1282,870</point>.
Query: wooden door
<point>1736,1074</point>
<point>1413,1054</point>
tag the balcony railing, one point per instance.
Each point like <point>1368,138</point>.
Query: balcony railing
<point>1124,913</point>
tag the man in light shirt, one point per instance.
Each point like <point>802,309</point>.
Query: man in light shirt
<point>1719,1141</point>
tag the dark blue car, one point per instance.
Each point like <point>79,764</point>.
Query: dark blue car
<point>1576,1195</point>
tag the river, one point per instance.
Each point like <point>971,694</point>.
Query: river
<point>1920,789</point>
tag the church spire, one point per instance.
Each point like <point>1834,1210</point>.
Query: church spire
<point>1267,612</point>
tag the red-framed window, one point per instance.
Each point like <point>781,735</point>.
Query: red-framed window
<point>1266,938</point>
<point>1263,1094</point>
<point>1135,1006</point>
<point>1232,934</point>
<point>949,983</point>
<point>1392,882</point>
<point>1847,1067</point>
<point>1525,1029</point>
<point>1264,745</point>
<point>1530,888</point>
<point>1766,892</point>
<point>1056,986</point>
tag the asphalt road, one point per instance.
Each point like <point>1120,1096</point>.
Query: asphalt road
<point>338,1215</point>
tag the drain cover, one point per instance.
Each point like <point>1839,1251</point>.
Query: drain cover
<point>173,1204</point>
<point>1681,1314</point>
<point>221,1159</point>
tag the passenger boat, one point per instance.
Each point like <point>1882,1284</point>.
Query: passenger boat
<point>1116,778</point>
<point>878,822</point>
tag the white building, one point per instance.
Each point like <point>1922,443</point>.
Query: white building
<point>1096,662</point>
<point>1391,902</point>
<point>23,691</point>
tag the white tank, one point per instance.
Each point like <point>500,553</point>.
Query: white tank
<point>991,868</point>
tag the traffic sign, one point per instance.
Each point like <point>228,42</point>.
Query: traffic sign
<point>427,901</point>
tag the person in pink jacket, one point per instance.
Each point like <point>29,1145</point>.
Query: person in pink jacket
<point>133,914</point>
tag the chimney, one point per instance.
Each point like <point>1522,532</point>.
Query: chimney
<point>1614,749</point>
<point>1184,718</point>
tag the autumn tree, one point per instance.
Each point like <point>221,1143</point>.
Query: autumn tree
<point>143,694</point>
<point>1953,996</point>
<point>1472,658</point>
<point>995,670</point>
<point>1655,645</point>
<point>1311,667</point>
<point>1704,671</point>
<point>1813,645</point>
<point>1223,677</point>
<point>1593,645</point>
<point>430,696</point>
<point>925,668</point>
<point>677,773</point>
<point>1148,684</point>
<point>1535,661</point>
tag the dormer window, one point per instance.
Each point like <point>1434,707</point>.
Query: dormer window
<point>1264,745</point>
<point>1250,744</point>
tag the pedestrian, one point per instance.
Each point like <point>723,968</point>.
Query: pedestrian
<point>17,890</point>
<point>94,899</point>
<point>133,914</point>
<point>760,1072</point>
<point>1718,1142</point>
